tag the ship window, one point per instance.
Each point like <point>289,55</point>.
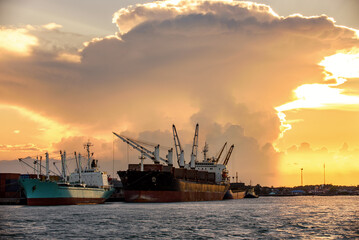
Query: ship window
<point>211,168</point>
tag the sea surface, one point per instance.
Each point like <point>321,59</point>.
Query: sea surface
<point>301,217</point>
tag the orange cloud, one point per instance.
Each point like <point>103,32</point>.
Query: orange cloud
<point>17,41</point>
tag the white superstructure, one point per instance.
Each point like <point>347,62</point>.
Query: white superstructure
<point>207,164</point>
<point>90,176</point>
<point>218,169</point>
<point>91,179</point>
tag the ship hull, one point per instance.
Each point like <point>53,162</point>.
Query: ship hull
<point>190,194</point>
<point>234,195</point>
<point>159,186</point>
<point>50,193</point>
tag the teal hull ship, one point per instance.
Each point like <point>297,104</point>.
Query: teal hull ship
<point>86,185</point>
<point>53,193</point>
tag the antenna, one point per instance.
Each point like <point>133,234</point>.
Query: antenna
<point>205,150</point>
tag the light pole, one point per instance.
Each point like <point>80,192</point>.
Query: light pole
<point>324,174</point>
<point>301,176</point>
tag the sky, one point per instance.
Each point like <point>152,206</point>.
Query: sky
<point>278,79</point>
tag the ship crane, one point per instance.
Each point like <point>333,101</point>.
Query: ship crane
<point>178,147</point>
<point>220,153</point>
<point>48,171</point>
<point>225,162</point>
<point>194,149</point>
<point>154,156</point>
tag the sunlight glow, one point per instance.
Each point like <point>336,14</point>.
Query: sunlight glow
<point>319,96</point>
<point>52,26</point>
<point>52,130</point>
<point>284,125</point>
<point>68,57</point>
<point>339,66</point>
<point>17,41</point>
<point>343,64</point>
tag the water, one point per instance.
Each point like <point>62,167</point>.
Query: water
<point>304,217</point>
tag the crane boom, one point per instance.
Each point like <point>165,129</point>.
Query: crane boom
<point>151,155</point>
<point>220,154</point>
<point>195,143</point>
<point>225,162</point>
<point>194,149</point>
<point>177,143</point>
<point>22,161</point>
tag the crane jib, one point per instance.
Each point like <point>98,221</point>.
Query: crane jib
<point>154,156</point>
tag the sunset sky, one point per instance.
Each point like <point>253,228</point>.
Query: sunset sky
<point>278,79</point>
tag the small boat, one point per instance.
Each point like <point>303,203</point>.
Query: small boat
<point>234,194</point>
<point>83,186</point>
<point>250,193</point>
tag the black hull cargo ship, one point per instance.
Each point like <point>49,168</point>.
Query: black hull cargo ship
<point>158,183</point>
<point>205,180</point>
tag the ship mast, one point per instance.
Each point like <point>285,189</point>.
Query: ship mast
<point>34,168</point>
<point>87,147</point>
<point>78,163</point>
<point>47,166</point>
<point>63,165</point>
<point>205,150</point>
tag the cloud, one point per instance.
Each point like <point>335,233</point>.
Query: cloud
<point>16,40</point>
<point>223,64</point>
<point>128,18</point>
<point>52,26</point>
<point>20,147</point>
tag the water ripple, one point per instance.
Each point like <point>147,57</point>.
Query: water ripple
<point>263,218</point>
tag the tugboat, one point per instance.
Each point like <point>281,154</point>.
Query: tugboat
<point>83,186</point>
<point>205,180</point>
<point>250,193</point>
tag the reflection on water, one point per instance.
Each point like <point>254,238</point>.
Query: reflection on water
<point>267,217</point>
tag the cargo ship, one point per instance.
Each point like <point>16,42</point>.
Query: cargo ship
<point>205,180</point>
<point>83,186</point>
